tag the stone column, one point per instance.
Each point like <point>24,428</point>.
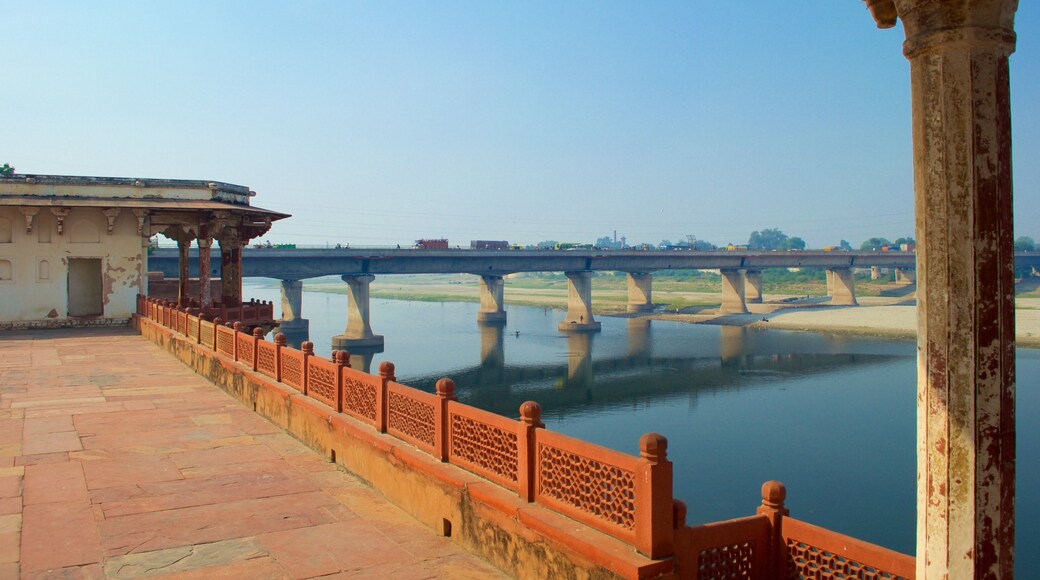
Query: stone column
<point>205,245</point>
<point>843,287</point>
<point>875,272</point>
<point>830,282</point>
<point>183,274</point>
<point>958,54</point>
<point>236,274</point>
<point>733,292</point>
<point>292,308</point>
<point>226,274</point>
<point>579,303</point>
<point>753,286</point>
<point>359,327</point>
<point>491,300</point>
<point>640,291</point>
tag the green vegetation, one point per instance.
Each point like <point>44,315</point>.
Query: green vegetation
<point>6,170</point>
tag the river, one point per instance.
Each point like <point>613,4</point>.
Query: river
<point>832,417</point>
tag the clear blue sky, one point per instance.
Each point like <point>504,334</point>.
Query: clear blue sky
<point>383,122</point>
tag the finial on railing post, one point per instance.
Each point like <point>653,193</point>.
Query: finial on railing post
<point>654,502</point>
<point>445,394</point>
<point>530,421</point>
<point>341,357</point>
<point>773,495</point>
<point>279,343</point>
<point>386,376</point>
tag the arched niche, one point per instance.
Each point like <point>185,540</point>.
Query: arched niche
<point>43,271</point>
<point>5,230</point>
<point>44,227</point>
<point>6,270</point>
<point>84,231</point>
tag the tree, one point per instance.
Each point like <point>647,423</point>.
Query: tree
<point>770,239</point>
<point>1024,244</point>
<point>794,243</point>
<point>547,245</point>
<point>844,245</point>
<point>901,241</point>
<point>664,243</point>
<point>874,244</point>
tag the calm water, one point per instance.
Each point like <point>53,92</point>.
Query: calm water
<point>831,417</point>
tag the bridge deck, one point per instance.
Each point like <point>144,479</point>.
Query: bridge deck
<point>116,461</point>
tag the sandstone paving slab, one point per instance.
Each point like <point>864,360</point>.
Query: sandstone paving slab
<point>58,535</point>
<point>55,482</point>
<point>137,467</point>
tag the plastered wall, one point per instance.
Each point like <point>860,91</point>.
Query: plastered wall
<point>34,265</point>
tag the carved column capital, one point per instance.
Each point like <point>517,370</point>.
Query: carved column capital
<point>976,25</point>
<point>141,215</point>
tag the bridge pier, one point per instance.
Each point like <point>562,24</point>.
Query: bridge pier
<point>640,291</point>
<point>359,327</point>
<point>491,300</point>
<point>753,286</point>
<point>579,303</point>
<point>733,292</point>
<point>842,287</point>
<point>292,308</point>
<point>905,276</point>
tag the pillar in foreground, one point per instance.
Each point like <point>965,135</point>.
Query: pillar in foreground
<point>292,308</point>
<point>733,292</point>
<point>961,119</point>
<point>843,287</point>
<point>183,273</point>
<point>491,300</point>
<point>640,292</point>
<point>579,303</point>
<point>753,286</point>
<point>359,324</point>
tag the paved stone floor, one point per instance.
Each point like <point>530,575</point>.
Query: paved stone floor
<point>117,461</point>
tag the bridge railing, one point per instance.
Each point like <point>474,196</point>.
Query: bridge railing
<point>629,498</point>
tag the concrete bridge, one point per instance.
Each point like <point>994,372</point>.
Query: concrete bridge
<point>741,276</point>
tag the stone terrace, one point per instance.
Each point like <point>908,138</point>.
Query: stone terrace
<point>117,461</point>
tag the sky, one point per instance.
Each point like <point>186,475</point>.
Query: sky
<point>382,122</point>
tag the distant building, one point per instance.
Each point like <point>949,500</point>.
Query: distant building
<point>74,250</point>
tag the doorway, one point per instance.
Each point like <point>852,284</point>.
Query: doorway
<point>85,287</point>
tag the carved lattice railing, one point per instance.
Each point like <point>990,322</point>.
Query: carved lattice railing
<point>815,552</point>
<point>629,498</point>
<point>485,443</point>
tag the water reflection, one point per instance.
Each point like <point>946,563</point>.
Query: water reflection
<point>360,357</point>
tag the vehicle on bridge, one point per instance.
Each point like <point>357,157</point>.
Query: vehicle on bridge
<point>489,245</point>
<point>572,246</point>
<point>429,244</point>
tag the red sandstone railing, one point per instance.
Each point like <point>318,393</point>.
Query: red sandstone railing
<point>626,497</point>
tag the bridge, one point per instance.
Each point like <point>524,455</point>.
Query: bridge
<point>741,276</point>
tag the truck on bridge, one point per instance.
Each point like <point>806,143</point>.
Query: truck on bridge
<point>489,245</point>
<point>429,244</point>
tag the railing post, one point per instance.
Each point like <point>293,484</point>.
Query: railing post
<point>308,351</point>
<point>527,470</point>
<point>445,393</point>
<point>237,327</point>
<point>773,495</point>
<point>258,335</point>
<point>198,330</point>
<point>654,517</point>
<point>187,321</point>
<point>279,342</point>
<point>386,375</point>
<point>342,359</point>
<point>216,322</point>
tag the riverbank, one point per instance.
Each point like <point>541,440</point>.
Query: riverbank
<point>892,316</point>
